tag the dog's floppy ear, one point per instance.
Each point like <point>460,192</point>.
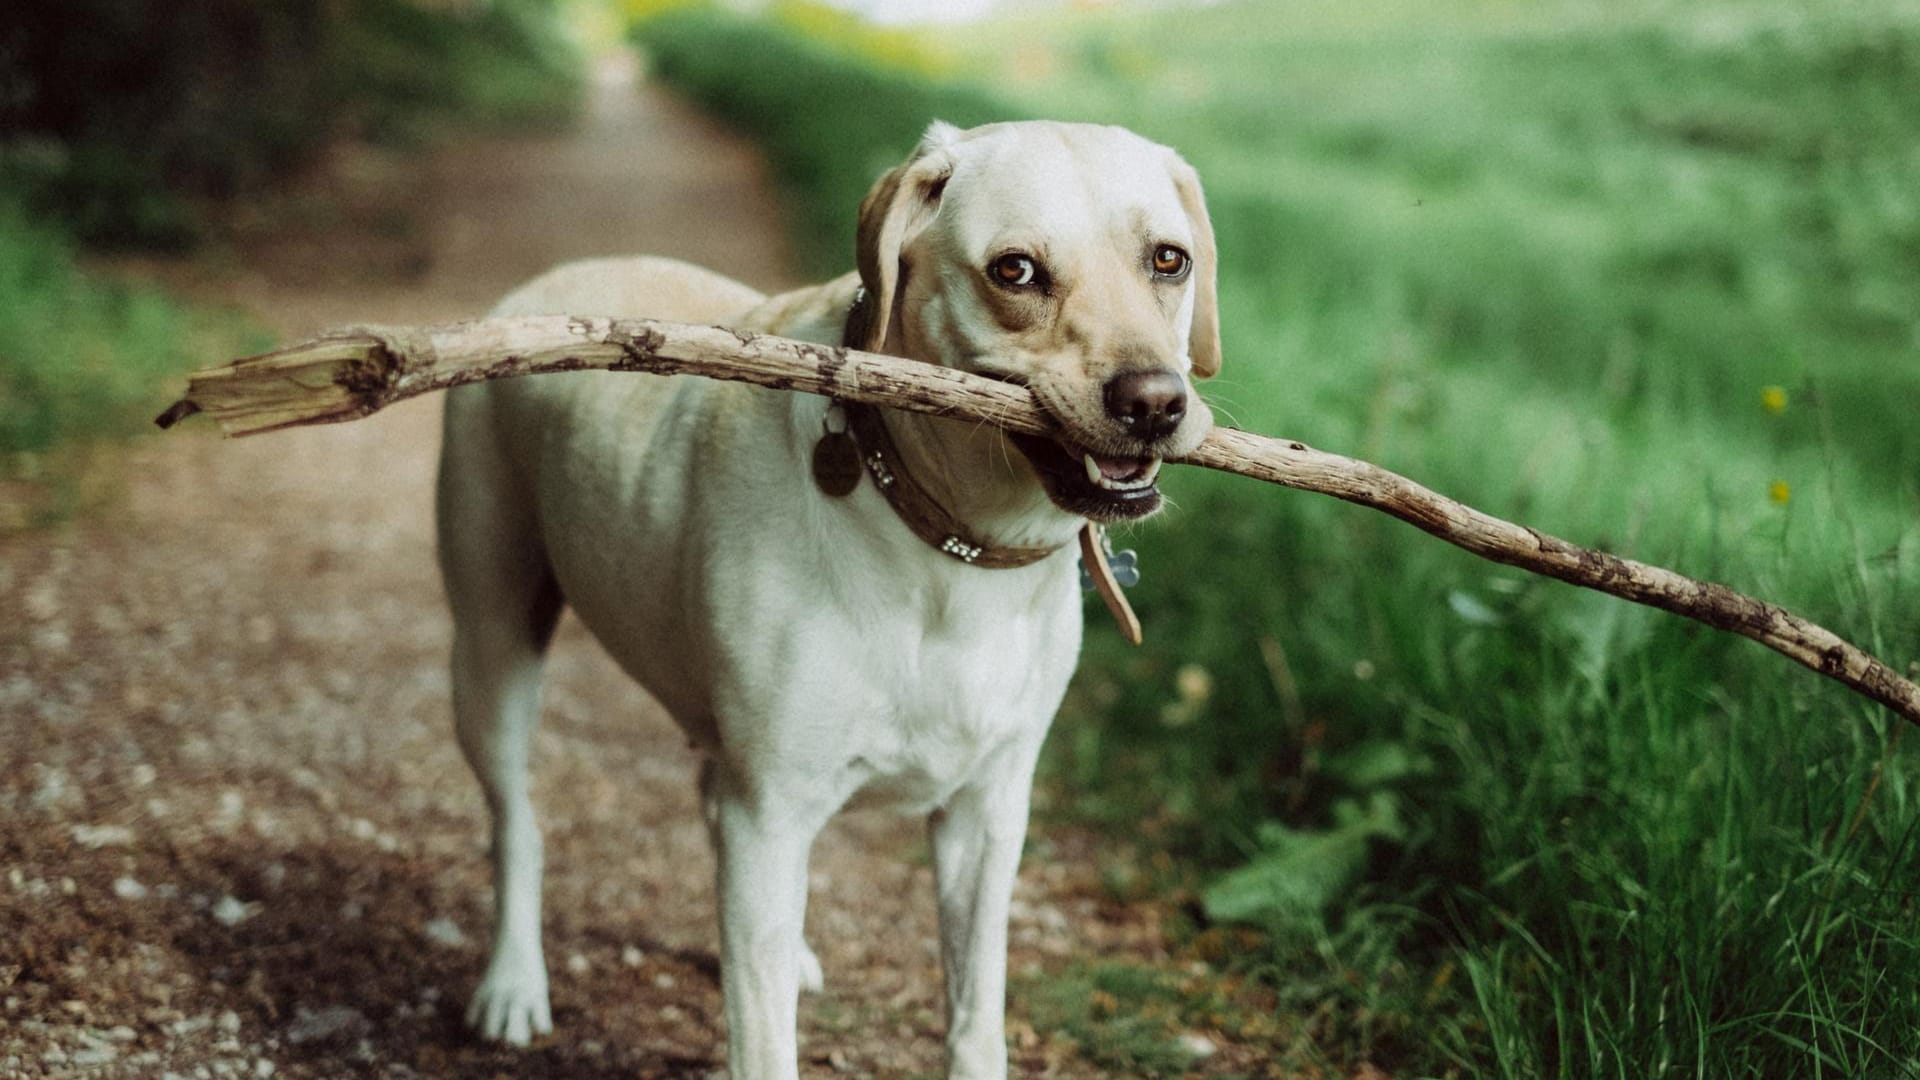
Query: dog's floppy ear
<point>1203,345</point>
<point>899,205</point>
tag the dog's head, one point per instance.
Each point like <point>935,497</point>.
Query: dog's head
<point>1073,258</point>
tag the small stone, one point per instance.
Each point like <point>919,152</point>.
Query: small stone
<point>577,965</point>
<point>262,1067</point>
<point>128,889</point>
<point>191,1025</point>
<point>121,1033</point>
<point>99,836</point>
<point>444,932</point>
<point>310,1025</point>
<point>94,1055</point>
<point>632,957</point>
<point>663,981</point>
<point>229,1021</point>
<point>228,911</point>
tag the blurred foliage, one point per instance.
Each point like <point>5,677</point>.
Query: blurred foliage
<point>1628,274</point>
<point>116,114</point>
<point>80,358</point>
<point>898,48</point>
<point>120,119</point>
<point>790,91</point>
<point>890,47</point>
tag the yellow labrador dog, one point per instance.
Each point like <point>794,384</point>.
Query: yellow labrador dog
<point>839,604</point>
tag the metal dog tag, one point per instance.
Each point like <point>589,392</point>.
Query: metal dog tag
<point>836,458</point>
<point>1124,565</point>
<point>836,464</point>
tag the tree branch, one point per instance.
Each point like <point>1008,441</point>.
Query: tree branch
<point>351,373</point>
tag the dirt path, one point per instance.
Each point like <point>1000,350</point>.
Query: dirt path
<point>236,837</point>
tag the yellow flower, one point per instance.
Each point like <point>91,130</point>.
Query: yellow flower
<point>1779,492</point>
<point>1774,400</point>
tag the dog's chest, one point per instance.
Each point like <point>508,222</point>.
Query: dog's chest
<point>934,693</point>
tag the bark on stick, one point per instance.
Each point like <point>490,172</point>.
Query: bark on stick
<point>352,373</point>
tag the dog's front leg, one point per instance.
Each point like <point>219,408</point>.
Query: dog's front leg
<point>977,839</point>
<point>762,846</point>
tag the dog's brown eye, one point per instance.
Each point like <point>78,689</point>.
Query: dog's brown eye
<point>1170,261</point>
<point>1014,270</point>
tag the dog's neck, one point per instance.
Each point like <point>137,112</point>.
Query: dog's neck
<point>970,469</point>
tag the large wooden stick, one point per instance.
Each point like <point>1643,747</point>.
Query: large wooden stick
<point>352,373</point>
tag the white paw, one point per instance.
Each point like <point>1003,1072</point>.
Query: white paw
<point>812,979</point>
<point>510,1005</point>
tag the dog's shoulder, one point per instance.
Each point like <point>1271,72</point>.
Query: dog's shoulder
<point>816,313</point>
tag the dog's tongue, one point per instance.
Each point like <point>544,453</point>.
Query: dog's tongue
<point>1119,468</point>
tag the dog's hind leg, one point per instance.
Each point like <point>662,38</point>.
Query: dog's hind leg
<point>505,605</point>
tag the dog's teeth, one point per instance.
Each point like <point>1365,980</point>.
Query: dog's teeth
<point>1100,479</point>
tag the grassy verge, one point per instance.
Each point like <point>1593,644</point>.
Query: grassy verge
<point>80,359</point>
<point>1643,280</point>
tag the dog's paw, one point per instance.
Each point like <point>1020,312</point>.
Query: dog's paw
<point>812,978</point>
<point>510,1005</point>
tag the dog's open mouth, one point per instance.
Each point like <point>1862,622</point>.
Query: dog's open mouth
<point>1103,487</point>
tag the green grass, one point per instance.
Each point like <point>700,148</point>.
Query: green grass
<point>1120,1016</point>
<point>82,358</point>
<point>1546,259</point>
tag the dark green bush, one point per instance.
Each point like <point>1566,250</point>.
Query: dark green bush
<point>117,114</point>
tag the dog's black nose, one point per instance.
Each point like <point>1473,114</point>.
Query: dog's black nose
<point>1149,404</point>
